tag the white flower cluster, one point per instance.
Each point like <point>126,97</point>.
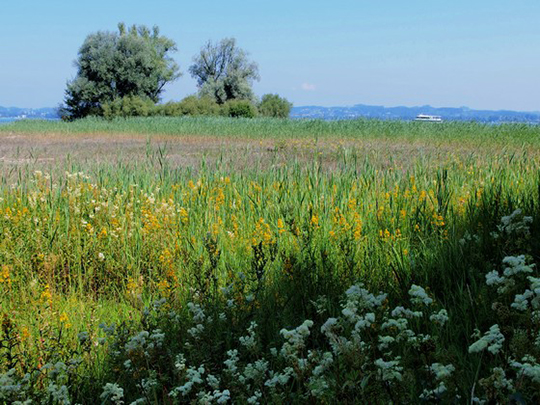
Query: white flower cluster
<point>401,312</point>
<point>250,341</point>
<point>528,367</point>
<point>318,383</point>
<point>515,223</point>
<point>199,317</point>
<point>359,297</point>
<point>366,330</point>
<point>515,265</point>
<point>530,296</point>
<point>440,317</point>
<point>500,381</point>
<point>492,340</point>
<point>113,393</point>
<point>145,341</point>
<point>419,295</point>
<point>295,338</point>
<point>389,370</point>
<point>194,376</point>
<point>441,374</point>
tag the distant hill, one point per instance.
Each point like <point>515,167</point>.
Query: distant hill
<point>409,113</point>
<point>32,113</point>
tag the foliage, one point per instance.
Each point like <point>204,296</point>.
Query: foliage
<point>128,106</point>
<point>272,105</point>
<point>110,66</point>
<point>224,72</point>
<point>240,109</point>
<point>192,106</point>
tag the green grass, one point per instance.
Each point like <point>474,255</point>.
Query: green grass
<point>513,134</point>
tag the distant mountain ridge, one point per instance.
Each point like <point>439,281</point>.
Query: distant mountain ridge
<point>409,113</point>
<point>33,113</point>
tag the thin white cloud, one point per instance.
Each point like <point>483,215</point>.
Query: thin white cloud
<point>308,87</point>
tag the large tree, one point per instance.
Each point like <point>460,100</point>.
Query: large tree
<point>111,65</point>
<point>224,72</point>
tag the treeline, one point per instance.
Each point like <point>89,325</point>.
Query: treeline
<point>271,105</point>
<point>121,74</point>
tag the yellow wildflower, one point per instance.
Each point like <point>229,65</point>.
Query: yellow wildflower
<point>280,225</point>
<point>5,275</point>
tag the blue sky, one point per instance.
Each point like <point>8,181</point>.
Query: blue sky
<point>477,53</point>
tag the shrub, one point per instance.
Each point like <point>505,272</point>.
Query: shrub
<point>129,106</point>
<point>240,109</point>
<point>191,105</point>
<point>272,105</point>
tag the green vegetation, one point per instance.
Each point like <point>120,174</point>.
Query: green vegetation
<point>272,105</point>
<point>223,72</point>
<point>448,132</point>
<point>123,74</point>
<point>367,272</point>
<point>111,66</point>
<point>240,109</point>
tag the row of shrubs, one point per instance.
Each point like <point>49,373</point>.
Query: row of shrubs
<point>271,105</point>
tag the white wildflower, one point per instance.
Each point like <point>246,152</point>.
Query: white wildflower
<point>401,312</point>
<point>494,278</point>
<point>400,324</point>
<point>389,370</point>
<point>521,301</point>
<point>249,342</point>
<point>434,393</point>
<point>441,371</point>
<point>212,381</point>
<point>384,342</point>
<point>515,223</point>
<point>295,338</point>
<point>197,312</point>
<point>492,340</point>
<point>113,393</point>
<point>500,381</point>
<point>516,265</point>
<point>279,378</point>
<point>231,361</point>
<point>255,398</point>
<point>419,295</point>
<point>440,317</point>
<point>358,297</point>
<point>528,367</point>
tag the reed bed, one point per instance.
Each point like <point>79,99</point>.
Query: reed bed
<point>261,128</point>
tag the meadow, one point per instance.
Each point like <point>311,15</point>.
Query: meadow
<point>214,260</point>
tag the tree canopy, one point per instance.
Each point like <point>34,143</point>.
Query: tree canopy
<point>224,72</point>
<point>272,105</point>
<point>111,65</point>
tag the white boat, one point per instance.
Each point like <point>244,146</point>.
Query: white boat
<point>428,118</point>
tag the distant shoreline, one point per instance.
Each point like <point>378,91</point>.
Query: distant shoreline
<point>7,120</point>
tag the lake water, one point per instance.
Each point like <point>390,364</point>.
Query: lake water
<point>7,120</point>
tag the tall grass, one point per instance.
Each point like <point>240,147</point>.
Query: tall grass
<point>515,134</point>
<point>91,243</point>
